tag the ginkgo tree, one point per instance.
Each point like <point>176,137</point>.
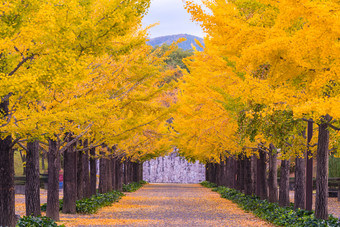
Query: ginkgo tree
<point>279,54</point>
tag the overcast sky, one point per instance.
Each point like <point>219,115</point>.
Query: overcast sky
<point>173,19</point>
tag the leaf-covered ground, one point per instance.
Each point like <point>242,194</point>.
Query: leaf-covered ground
<point>169,205</point>
<point>166,205</point>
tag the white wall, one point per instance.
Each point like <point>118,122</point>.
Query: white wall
<point>173,169</point>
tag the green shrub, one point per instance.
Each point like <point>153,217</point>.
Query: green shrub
<point>93,204</point>
<point>134,186</point>
<point>208,184</point>
<point>272,212</point>
<point>40,221</point>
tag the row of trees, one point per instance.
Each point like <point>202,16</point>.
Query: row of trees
<point>269,71</point>
<point>77,77</point>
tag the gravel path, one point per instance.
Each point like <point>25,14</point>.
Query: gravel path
<point>169,205</point>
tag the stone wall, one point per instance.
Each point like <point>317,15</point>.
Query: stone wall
<point>173,169</point>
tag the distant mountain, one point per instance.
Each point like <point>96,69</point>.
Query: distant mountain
<point>186,45</point>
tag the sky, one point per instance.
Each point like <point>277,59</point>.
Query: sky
<point>172,18</point>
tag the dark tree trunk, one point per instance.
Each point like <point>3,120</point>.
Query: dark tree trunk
<point>93,172</point>
<point>231,173</point>
<point>80,175</point>
<point>53,158</point>
<point>70,180</point>
<point>43,160</point>
<point>102,175</point>
<point>23,160</point>
<point>32,189</point>
<point>118,172</point>
<point>109,174</point>
<point>140,171</point>
<point>86,180</point>
<point>248,183</point>
<point>207,175</point>
<point>113,174</point>
<point>272,176</point>
<point>261,189</point>
<point>309,169</point>
<point>7,199</point>
<point>125,175</point>
<point>284,184</point>
<point>226,172</point>
<point>242,174</point>
<point>321,202</point>
<point>300,187</point>
<point>238,174</point>
<point>253,172</point>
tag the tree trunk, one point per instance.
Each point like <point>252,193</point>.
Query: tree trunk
<point>80,175</point>
<point>93,172</point>
<point>7,199</point>
<point>284,184</point>
<point>113,174</point>
<point>272,176</point>
<point>102,175</point>
<point>140,171</point>
<point>125,175</point>
<point>70,180</point>
<point>300,187</point>
<point>253,172</point>
<point>53,158</point>
<point>119,171</point>
<point>43,161</point>
<point>309,169</point>
<point>261,189</point>
<point>207,172</point>
<point>321,202</point>
<point>32,189</point>
<point>242,174</point>
<point>86,180</point>
<point>248,184</point>
<point>109,174</point>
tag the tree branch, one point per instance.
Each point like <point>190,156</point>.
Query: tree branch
<point>75,139</point>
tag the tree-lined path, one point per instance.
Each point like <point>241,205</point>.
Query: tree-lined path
<point>169,205</point>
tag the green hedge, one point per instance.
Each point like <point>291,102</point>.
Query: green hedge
<point>134,186</point>
<point>40,221</point>
<point>93,204</point>
<point>272,212</point>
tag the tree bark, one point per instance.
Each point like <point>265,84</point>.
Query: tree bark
<point>109,174</point>
<point>309,169</point>
<point>113,174</point>
<point>93,172</point>
<point>284,184</point>
<point>261,189</point>
<point>321,202</point>
<point>32,188</point>
<point>253,172</point>
<point>102,175</point>
<point>118,172</point>
<point>248,184</point>
<point>86,179</point>
<point>272,176</point>
<point>80,175</point>
<point>70,180</point>
<point>7,199</point>
<point>53,158</point>
<point>300,187</point>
